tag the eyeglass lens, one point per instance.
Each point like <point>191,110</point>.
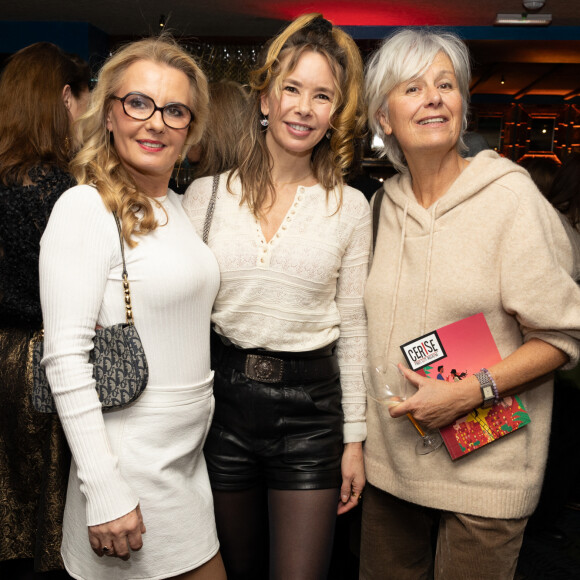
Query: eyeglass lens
<point>142,107</point>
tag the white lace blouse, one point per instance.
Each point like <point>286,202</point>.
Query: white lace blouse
<point>301,290</point>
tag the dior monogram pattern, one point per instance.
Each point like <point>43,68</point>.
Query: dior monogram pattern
<point>119,368</point>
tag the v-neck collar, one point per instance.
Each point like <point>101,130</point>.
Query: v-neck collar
<point>266,247</point>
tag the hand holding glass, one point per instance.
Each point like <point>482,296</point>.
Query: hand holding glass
<point>376,374</point>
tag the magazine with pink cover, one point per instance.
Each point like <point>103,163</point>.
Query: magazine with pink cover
<point>452,353</point>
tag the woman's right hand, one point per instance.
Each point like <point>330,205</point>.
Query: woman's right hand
<point>118,537</point>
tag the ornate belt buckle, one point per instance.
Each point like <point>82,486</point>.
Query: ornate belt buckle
<point>265,369</point>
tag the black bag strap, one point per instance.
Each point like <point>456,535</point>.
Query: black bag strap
<point>210,207</point>
<point>376,213</point>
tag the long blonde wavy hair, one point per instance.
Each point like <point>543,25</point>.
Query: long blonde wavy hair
<point>331,158</point>
<point>97,163</point>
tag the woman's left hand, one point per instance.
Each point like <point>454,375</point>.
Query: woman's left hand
<point>119,537</point>
<point>353,477</point>
<point>438,403</point>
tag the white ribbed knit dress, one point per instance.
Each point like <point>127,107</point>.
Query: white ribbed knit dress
<point>149,453</point>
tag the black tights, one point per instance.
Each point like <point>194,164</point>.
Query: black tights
<point>289,532</point>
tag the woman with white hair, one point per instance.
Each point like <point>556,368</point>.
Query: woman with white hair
<point>483,217</point>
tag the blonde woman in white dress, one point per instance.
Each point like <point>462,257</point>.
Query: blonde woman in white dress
<point>139,504</point>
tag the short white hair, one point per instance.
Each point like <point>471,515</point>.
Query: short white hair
<point>404,55</point>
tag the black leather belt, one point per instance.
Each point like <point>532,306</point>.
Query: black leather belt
<point>278,367</point>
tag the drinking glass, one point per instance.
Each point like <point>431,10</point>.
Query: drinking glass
<point>389,395</point>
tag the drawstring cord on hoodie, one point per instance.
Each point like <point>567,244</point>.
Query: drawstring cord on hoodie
<point>428,268</point>
<point>400,267</point>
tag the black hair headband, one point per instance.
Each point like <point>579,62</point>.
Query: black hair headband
<point>319,25</point>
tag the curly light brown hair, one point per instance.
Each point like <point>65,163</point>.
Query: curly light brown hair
<point>331,158</point>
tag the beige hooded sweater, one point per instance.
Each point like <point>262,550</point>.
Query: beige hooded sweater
<point>491,244</point>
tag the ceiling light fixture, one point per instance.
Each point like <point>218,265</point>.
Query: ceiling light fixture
<point>523,19</point>
<point>533,4</point>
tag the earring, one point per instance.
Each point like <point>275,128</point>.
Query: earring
<point>329,134</point>
<point>264,121</point>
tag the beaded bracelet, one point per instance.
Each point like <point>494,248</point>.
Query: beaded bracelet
<point>493,385</point>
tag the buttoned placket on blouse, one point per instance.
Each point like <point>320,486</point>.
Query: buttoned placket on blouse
<point>266,248</point>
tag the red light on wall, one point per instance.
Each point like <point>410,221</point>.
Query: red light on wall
<point>353,13</point>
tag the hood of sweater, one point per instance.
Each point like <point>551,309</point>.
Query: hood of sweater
<point>484,169</point>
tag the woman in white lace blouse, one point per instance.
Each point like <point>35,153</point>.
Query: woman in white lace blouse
<point>292,242</point>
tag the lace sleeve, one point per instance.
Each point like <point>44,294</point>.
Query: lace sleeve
<point>352,344</point>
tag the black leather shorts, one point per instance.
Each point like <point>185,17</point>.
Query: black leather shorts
<point>282,434</point>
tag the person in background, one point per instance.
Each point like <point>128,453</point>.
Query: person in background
<point>542,170</point>
<point>564,195</point>
<point>426,516</point>
<point>215,153</point>
<point>292,240</point>
<point>139,504</point>
<point>474,143</point>
<point>560,486</point>
<point>228,105</point>
<point>42,92</point>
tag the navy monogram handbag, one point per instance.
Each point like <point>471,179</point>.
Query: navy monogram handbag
<point>119,363</point>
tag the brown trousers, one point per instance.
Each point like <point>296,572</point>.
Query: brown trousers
<point>405,541</point>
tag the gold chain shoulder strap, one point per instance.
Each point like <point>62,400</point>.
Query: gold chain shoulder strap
<point>126,289</point>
